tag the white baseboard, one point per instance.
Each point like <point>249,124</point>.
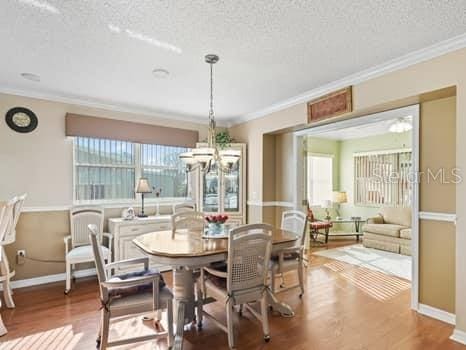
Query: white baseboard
<point>50,278</point>
<point>438,314</point>
<point>459,336</point>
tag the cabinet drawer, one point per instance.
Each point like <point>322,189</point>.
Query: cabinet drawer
<point>135,230</point>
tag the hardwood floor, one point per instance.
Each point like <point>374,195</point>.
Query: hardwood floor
<point>344,307</point>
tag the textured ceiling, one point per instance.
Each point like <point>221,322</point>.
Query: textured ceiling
<point>270,50</point>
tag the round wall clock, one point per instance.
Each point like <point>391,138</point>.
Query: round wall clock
<point>21,119</point>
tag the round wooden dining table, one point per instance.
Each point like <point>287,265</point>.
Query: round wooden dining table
<point>187,251</point>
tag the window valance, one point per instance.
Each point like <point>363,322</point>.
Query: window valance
<point>103,128</point>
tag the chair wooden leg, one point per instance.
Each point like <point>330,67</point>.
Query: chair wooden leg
<point>199,301</point>
<point>272,281</point>
<point>265,317</point>
<point>170,323</point>
<point>231,335</point>
<point>105,324</point>
<point>301,277</point>
<point>68,278</point>
<point>5,271</point>
<point>3,330</point>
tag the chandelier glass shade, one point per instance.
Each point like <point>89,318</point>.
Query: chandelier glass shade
<point>204,157</point>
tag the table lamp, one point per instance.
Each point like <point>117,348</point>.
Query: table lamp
<point>142,188</point>
<point>327,204</point>
<point>339,197</point>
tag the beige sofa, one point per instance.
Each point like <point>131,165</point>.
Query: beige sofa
<point>390,231</point>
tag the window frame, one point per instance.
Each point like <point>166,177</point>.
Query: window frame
<point>116,203</point>
<point>308,187</point>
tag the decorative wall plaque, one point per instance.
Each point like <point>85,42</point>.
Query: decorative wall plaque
<point>330,105</point>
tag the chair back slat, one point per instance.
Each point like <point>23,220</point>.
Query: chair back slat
<point>10,235</point>
<point>295,221</point>
<point>80,219</point>
<point>6,218</point>
<point>188,220</point>
<point>182,207</point>
<point>93,237</point>
<point>249,248</point>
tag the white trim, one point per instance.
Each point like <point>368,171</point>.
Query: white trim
<point>381,152</point>
<point>438,314</point>
<point>334,125</point>
<point>412,110</point>
<point>415,146</point>
<point>412,58</point>
<point>35,281</point>
<point>94,103</point>
<point>271,204</point>
<point>427,215</point>
<point>459,336</point>
<point>108,204</point>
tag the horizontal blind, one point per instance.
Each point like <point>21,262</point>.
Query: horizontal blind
<point>383,179</point>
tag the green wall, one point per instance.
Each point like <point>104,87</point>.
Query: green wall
<point>343,165</point>
<point>366,144</point>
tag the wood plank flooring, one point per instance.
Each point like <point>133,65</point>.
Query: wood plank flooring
<point>344,307</point>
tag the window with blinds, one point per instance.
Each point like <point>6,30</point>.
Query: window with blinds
<point>319,179</point>
<point>162,166</point>
<point>382,179</point>
<point>107,170</point>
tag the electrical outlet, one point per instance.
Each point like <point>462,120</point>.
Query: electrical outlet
<point>20,257</point>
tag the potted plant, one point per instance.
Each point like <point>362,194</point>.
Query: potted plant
<point>216,223</point>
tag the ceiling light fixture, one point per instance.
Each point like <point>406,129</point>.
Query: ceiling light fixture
<point>31,77</point>
<point>160,73</point>
<point>43,5</point>
<point>401,125</point>
<point>204,157</point>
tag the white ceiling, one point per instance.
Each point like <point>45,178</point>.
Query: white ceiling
<point>360,131</point>
<point>270,50</point>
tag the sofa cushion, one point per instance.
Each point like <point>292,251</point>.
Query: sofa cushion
<point>396,216</point>
<point>405,233</point>
<point>384,229</point>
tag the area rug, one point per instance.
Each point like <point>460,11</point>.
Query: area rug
<point>374,259</point>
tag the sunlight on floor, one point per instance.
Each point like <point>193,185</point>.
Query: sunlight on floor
<point>376,284</point>
<point>62,338</point>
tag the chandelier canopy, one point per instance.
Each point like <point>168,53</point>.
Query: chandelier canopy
<point>204,157</point>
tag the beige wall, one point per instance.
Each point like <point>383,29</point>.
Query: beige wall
<point>395,89</point>
<point>40,163</point>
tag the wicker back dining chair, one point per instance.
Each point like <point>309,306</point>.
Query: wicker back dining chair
<point>130,294</point>
<point>245,280</point>
<point>13,211</point>
<point>185,206</point>
<point>187,221</point>
<point>6,215</point>
<point>291,259</point>
<point>80,250</point>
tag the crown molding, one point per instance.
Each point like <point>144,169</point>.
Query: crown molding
<point>93,103</point>
<point>412,58</point>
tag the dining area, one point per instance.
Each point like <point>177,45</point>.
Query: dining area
<point>234,267</point>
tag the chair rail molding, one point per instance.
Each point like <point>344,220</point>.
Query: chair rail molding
<point>435,216</point>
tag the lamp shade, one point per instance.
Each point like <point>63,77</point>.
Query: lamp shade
<point>143,186</point>
<point>339,197</point>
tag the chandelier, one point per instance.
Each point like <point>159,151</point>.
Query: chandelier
<point>205,157</point>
